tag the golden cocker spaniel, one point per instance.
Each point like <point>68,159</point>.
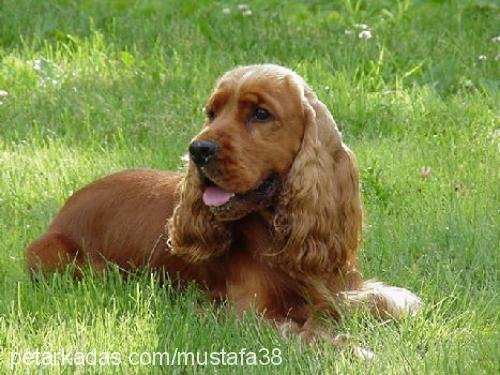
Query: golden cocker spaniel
<point>268,214</point>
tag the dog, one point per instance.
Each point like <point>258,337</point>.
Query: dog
<point>267,215</point>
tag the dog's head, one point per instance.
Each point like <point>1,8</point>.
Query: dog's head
<point>269,142</point>
<point>252,133</point>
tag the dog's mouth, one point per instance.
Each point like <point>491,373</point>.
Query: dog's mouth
<point>220,200</point>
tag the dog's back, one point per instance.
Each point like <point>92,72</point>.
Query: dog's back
<point>91,225</point>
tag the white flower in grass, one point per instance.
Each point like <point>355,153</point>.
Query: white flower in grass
<point>247,13</point>
<point>482,58</point>
<point>37,64</point>
<point>496,39</point>
<point>497,58</point>
<point>3,93</point>
<point>361,26</point>
<point>348,32</point>
<point>226,11</point>
<point>425,172</point>
<point>365,35</point>
<point>243,7</point>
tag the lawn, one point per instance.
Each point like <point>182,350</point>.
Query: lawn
<point>93,87</point>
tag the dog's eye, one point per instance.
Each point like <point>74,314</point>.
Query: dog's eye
<point>210,114</point>
<point>261,115</point>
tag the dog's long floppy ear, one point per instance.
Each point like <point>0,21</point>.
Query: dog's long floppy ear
<point>319,215</point>
<point>193,231</point>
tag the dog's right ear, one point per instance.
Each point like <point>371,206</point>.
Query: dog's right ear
<point>193,232</point>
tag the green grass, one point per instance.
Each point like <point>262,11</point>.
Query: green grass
<point>122,84</point>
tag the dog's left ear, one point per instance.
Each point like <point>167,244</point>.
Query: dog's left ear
<point>318,219</point>
<point>193,231</point>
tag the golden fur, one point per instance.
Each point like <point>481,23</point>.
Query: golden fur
<point>291,255</point>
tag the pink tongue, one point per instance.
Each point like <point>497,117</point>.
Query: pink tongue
<point>215,196</point>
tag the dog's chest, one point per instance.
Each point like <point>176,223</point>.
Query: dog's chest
<point>251,281</point>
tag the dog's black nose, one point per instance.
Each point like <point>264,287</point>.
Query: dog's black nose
<point>203,151</point>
